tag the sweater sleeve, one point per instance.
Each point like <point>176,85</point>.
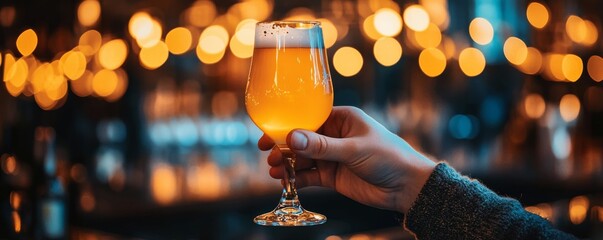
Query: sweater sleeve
<point>451,206</point>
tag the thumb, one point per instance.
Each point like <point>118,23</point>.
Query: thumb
<point>309,144</point>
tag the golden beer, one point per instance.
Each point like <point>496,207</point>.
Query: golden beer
<point>288,89</point>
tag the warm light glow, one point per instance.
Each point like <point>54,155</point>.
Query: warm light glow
<point>120,90</point>
<point>333,237</point>
<point>104,82</point>
<point>209,58</point>
<point>201,13</point>
<point>569,107</point>
<point>9,61</point>
<point>88,12</point>
<point>537,14</point>
<point>258,10</point>
<point>205,181</point>
<point>515,50</point>
<point>481,31</point>
<point>7,16</point>
<point>416,18</point>
<point>533,62</point>
<point>45,102</point>
<point>432,62</point>
<point>329,32</point>
<point>90,42</point>
<point>578,208</point>
<point>15,197</point>
<point>368,28</point>
<point>576,28</point>
<point>300,13</point>
<point>27,42</point>
<point>438,12</point>
<point>113,54</point>
<point>140,25</point>
<point>9,165</point>
<point>448,47</point>
<point>16,221</point>
<point>83,86</point>
<point>595,68</point>
<point>347,61</point>
<point>179,40</point>
<point>164,184</point>
<point>387,51</point>
<point>534,106</point>
<point>543,210</point>
<point>73,64</point>
<point>571,67</point>
<point>553,66</point>
<point>472,61</point>
<point>241,43</point>
<point>16,76</point>
<point>155,56</point>
<point>55,87</point>
<point>153,38</point>
<point>592,33</point>
<point>430,38</point>
<point>388,22</point>
<point>213,39</point>
<point>42,72</point>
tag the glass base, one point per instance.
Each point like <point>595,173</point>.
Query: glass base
<point>290,217</point>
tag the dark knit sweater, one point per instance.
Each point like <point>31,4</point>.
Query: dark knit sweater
<point>451,206</point>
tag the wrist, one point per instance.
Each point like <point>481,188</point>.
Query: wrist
<point>413,182</point>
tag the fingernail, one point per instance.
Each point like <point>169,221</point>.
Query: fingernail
<point>299,141</point>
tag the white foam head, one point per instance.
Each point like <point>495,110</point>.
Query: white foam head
<point>289,34</point>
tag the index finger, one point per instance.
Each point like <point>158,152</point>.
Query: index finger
<point>265,143</point>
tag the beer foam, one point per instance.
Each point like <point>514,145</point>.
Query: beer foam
<point>271,34</point>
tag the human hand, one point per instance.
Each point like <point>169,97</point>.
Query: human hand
<point>358,157</point>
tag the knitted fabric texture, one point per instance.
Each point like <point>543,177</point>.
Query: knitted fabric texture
<point>451,206</point>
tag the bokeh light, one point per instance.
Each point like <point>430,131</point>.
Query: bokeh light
<point>16,76</point>
<point>592,33</point>
<point>430,38</point>
<point>576,28</point>
<point>179,40</point>
<point>552,67</point>
<point>432,62</point>
<point>595,68</point>
<point>201,13</point>
<point>537,14</point>
<point>368,28</point>
<point>347,61</point>
<point>104,82</point>
<point>154,36</point>
<point>571,67</point>
<point>73,64</point>
<point>515,50</point>
<point>88,12</point>
<point>155,56</point>
<point>90,42</point>
<point>113,54</point>
<point>27,42</point>
<point>387,51</point>
<point>481,31</point>
<point>213,39</point>
<point>416,18</point>
<point>208,58</point>
<point>329,31</point>
<point>472,61</point>
<point>82,86</point>
<point>569,107</point>
<point>533,62</point>
<point>121,87</point>
<point>140,25</point>
<point>164,183</point>
<point>241,43</point>
<point>578,209</point>
<point>534,106</point>
<point>438,12</point>
<point>388,22</point>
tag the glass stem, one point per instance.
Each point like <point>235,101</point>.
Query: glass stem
<point>289,197</point>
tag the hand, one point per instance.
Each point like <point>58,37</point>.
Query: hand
<point>357,157</point>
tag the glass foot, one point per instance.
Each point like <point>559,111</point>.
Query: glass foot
<point>289,217</point>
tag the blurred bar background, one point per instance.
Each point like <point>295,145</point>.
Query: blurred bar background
<point>125,119</point>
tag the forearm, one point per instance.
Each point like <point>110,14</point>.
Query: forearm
<point>451,206</point>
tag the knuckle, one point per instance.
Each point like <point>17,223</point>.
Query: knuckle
<point>323,147</point>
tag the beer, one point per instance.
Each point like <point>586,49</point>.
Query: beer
<point>288,88</point>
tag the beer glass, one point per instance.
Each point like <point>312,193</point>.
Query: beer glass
<point>289,87</point>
